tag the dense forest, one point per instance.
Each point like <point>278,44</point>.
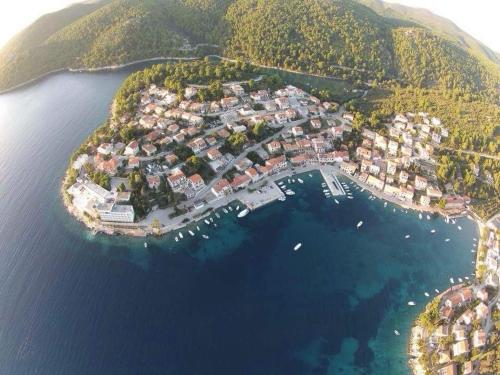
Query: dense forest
<point>344,39</point>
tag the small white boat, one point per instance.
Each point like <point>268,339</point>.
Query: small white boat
<point>237,208</point>
<point>362,189</point>
<point>289,181</point>
<point>191,232</point>
<point>350,197</point>
<point>359,224</point>
<point>336,201</point>
<point>180,235</point>
<point>243,213</point>
<point>426,294</point>
<point>428,217</point>
<point>293,180</point>
<point>451,280</point>
<point>459,227</point>
<point>310,175</point>
<point>447,240</point>
<point>230,208</point>
<point>385,204</point>
<point>420,216</point>
<point>437,291</point>
<point>474,239</point>
<point>393,210</point>
<point>296,247</point>
<point>407,236</point>
<point>225,211</point>
<point>145,244</point>
<point>433,231</point>
<point>197,228</point>
<point>289,192</point>
<point>473,251</point>
<point>211,219</point>
<point>326,191</point>
<point>453,221</point>
<point>206,222</point>
<point>205,236</point>
<point>301,181</point>
<point>466,277</point>
<point>396,332</point>
<point>176,239</point>
<point>411,303</point>
<point>280,183</point>
<point>282,199</point>
<point>217,215</point>
<point>460,280</point>
<point>215,225</point>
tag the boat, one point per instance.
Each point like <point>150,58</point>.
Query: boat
<point>217,215</point>
<point>310,175</point>
<point>301,181</point>
<point>385,204</point>
<point>474,239</point>
<point>359,224</point>
<point>211,219</point>
<point>460,280</point>
<point>215,225</point>
<point>282,199</point>
<point>411,303</point>
<point>230,208</point>
<point>191,232</point>
<point>326,191</point>
<point>473,251</point>
<point>447,240</point>
<point>289,192</point>
<point>293,180</point>
<point>206,222</point>
<point>407,236</point>
<point>336,201</point>
<point>451,280</point>
<point>433,231</point>
<point>296,247</point>
<point>466,277</point>
<point>396,332</point>
<point>426,294</point>
<point>176,239</point>
<point>205,236</point>
<point>180,235</point>
<point>459,227</point>
<point>437,291</point>
<point>280,183</point>
<point>237,208</point>
<point>225,211</point>
<point>428,217</point>
<point>350,197</point>
<point>289,181</point>
<point>453,221</point>
<point>145,244</point>
<point>362,189</point>
<point>393,210</point>
<point>243,213</point>
<point>197,228</point>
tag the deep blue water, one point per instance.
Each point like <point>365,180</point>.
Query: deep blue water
<point>241,303</point>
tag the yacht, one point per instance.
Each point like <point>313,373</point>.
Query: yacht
<point>359,224</point>
<point>217,215</point>
<point>180,235</point>
<point>460,280</point>
<point>211,219</point>
<point>407,236</point>
<point>326,191</point>
<point>426,294</point>
<point>244,213</point>
<point>296,247</point>
<point>206,222</point>
<point>310,175</point>
<point>289,192</point>
<point>447,240</point>
<point>411,303</point>
<point>191,232</point>
<point>385,204</point>
<point>433,231</point>
<point>350,197</point>
<point>301,181</point>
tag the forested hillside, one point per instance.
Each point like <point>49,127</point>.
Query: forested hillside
<point>340,38</point>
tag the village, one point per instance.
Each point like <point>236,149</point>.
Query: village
<point>459,331</point>
<point>186,154</point>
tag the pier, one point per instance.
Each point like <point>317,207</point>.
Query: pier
<point>332,181</point>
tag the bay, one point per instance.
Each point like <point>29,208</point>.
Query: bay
<point>242,302</point>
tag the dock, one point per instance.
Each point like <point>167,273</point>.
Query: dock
<point>332,182</point>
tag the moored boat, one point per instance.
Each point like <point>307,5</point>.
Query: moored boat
<point>243,213</point>
<point>298,246</point>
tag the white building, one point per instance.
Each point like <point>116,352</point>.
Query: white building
<point>116,213</point>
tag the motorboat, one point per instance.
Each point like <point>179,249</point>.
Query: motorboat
<point>191,232</point>
<point>243,213</point>
<point>411,303</point>
<point>298,246</point>
<point>359,224</point>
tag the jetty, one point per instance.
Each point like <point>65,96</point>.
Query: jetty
<point>332,182</point>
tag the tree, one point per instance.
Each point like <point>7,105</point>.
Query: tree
<point>236,141</point>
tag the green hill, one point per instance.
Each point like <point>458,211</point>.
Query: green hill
<point>341,38</point>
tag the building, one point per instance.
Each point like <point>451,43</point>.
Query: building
<point>420,183</point>
<point>197,145</point>
<point>153,181</point>
<point>252,173</point>
<point>177,181</point>
<point>105,149</point>
<point>196,182</point>
<point>222,188</point>
<point>450,369</point>
<point>403,177</point>
<point>240,181</point>
<point>348,167</point>
<point>190,91</point>
<point>277,164</point>
<point>363,153</point>
<point>273,147</point>
<point>214,154</point>
<point>459,298</point>
<point>237,89</point>
<point>149,149</point>
<point>375,182</point>
<point>459,348</point>
<point>316,123</point>
<point>479,338</point>
<point>115,213</point>
<point>282,102</point>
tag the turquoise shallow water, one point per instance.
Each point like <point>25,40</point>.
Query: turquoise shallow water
<point>242,302</point>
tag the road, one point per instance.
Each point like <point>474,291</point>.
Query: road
<point>474,153</point>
